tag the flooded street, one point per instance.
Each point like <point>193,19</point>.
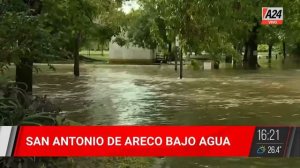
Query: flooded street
<point>96,63</point>
<point>153,95</point>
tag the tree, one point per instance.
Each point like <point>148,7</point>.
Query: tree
<point>24,39</point>
<point>290,30</point>
<point>73,19</point>
<point>108,24</point>
<point>77,21</point>
<point>251,14</point>
<point>196,23</point>
<point>140,32</point>
<point>269,35</point>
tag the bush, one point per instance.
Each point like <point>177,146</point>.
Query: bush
<point>195,65</point>
<point>19,108</point>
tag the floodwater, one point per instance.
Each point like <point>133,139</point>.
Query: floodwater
<point>153,95</point>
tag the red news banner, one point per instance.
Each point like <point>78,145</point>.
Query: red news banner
<point>59,141</point>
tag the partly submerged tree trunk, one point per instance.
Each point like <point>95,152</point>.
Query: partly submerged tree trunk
<point>270,53</point>
<point>252,56</point>
<point>234,64</point>
<point>181,64</point>
<point>170,48</point>
<point>216,64</point>
<point>245,60</point>
<point>284,50</point>
<point>252,61</point>
<point>76,55</point>
<point>228,59</point>
<point>176,59</point>
<point>102,49</point>
<point>170,54</point>
<point>24,75</point>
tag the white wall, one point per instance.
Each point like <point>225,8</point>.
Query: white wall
<point>130,52</point>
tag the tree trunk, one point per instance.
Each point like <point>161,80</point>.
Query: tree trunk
<point>252,56</point>
<point>270,53</point>
<point>228,59</point>
<point>24,75</point>
<point>102,49</point>
<point>216,64</point>
<point>169,52</point>
<point>181,65</point>
<point>284,50</point>
<point>170,48</point>
<point>234,64</point>
<point>252,50</point>
<point>24,68</point>
<point>176,58</point>
<point>245,60</point>
<point>76,55</point>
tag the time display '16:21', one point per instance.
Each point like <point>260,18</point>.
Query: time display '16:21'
<point>268,134</point>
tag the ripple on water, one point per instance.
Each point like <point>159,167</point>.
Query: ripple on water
<point>136,94</point>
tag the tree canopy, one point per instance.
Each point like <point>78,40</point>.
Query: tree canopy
<point>219,27</point>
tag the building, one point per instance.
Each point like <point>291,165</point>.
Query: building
<point>130,54</point>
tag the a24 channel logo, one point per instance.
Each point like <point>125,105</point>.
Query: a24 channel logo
<point>272,16</point>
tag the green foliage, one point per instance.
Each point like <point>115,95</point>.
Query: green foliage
<point>23,36</point>
<point>263,48</point>
<point>140,31</point>
<point>194,65</point>
<point>120,41</point>
<point>92,20</point>
<point>213,26</point>
<point>18,108</point>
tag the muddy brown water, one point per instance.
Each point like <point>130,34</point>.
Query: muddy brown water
<point>153,95</point>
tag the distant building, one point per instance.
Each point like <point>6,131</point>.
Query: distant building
<point>130,54</point>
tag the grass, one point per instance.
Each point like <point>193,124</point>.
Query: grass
<point>97,55</point>
<point>105,162</point>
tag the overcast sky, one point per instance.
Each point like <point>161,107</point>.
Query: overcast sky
<point>130,5</point>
